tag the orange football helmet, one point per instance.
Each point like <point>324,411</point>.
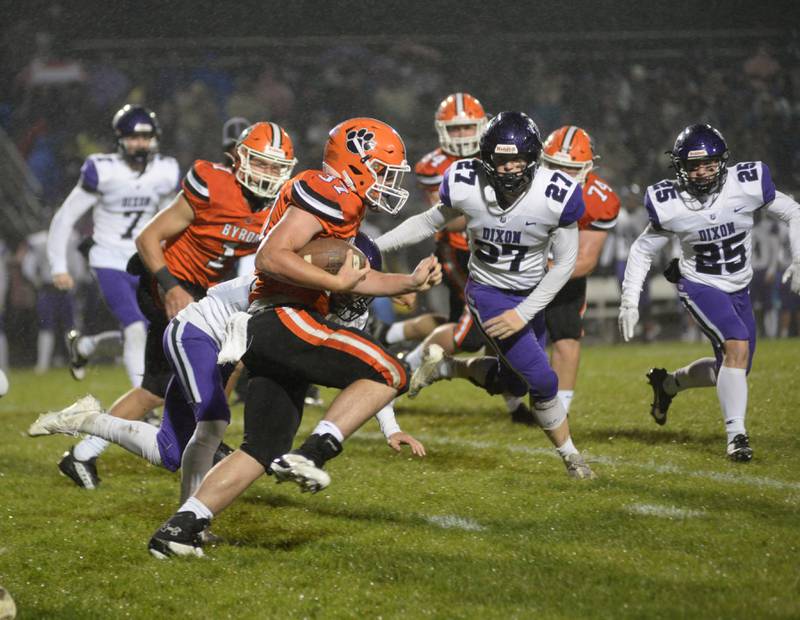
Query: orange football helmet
<point>264,159</point>
<point>569,147</point>
<point>460,110</point>
<point>371,159</point>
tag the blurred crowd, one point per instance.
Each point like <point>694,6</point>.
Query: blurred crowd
<point>56,106</point>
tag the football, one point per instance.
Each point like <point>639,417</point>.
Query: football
<point>8,610</point>
<point>328,254</point>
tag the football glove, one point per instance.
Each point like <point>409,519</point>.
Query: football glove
<point>792,273</point>
<point>628,318</point>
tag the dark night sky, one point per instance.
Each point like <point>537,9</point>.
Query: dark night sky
<point>89,19</point>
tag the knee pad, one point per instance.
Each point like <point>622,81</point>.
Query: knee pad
<point>549,414</point>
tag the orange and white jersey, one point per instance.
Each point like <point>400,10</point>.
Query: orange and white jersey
<point>602,205</point>
<point>338,210</point>
<point>430,172</point>
<point>224,226</point>
<point>431,168</point>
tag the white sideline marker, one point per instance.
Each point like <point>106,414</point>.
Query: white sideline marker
<point>453,522</point>
<point>666,512</point>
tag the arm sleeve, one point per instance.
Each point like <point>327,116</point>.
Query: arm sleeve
<point>565,253</point>
<point>640,257</point>
<point>77,203</point>
<point>416,228</point>
<point>388,422</point>
<point>786,209</point>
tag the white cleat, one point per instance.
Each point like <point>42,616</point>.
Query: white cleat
<point>577,467</point>
<point>300,470</point>
<point>67,421</point>
<point>428,371</point>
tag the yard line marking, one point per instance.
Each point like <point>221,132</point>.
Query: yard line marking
<point>668,512</point>
<point>454,522</point>
<point>659,468</point>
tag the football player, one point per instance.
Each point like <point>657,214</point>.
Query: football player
<point>710,209</point>
<point>196,411</point>
<point>290,343</point>
<point>124,190</point>
<point>515,211</point>
<point>570,150</point>
<point>216,218</point>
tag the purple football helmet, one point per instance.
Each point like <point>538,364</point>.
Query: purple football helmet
<point>135,120</point>
<point>349,307</point>
<point>510,135</point>
<point>696,143</point>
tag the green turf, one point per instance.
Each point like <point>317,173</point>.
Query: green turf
<point>487,526</point>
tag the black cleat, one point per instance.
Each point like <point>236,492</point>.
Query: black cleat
<point>180,535</point>
<point>77,362</point>
<point>82,473</point>
<point>223,450</point>
<point>661,400</point>
<point>523,415</point>
<point>739,449</point>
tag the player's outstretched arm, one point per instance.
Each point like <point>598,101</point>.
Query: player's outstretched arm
<point>428,273</point>
<point>417,228</point>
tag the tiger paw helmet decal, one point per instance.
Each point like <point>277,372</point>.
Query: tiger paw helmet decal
<point>359,141</point>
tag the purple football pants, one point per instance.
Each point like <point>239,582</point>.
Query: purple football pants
<point>524,361</point>
<point>722,316</point>
<point>196,391</point>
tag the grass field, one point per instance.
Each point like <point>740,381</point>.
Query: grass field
<point>488,525</point>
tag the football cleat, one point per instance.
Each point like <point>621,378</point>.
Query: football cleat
<point>67,421</point>
<point>661,400</point>
<point>313,398</point>
<point>82,473</point>
<point>77,362</point>
<point>181,535</point>
<point>523,415</point>
<point>428,371</point>
<point>577,467</point>
<point>739,449</point>
<point>300,470</point>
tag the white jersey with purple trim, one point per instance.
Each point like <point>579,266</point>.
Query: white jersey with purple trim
<point>508,247</point>
<point>211,313</point>
<point>715,235</point>
<point>123,201</point>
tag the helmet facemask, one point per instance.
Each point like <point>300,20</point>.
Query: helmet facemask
<point>700,188</point>
<point>386,192</point>
<point>271,170</point>
<point>510,183</point>
<point>131,149</point>
<point>460,146</point>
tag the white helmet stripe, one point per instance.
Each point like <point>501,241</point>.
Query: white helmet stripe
<point>568,138</point>
<point>459,104</point>
<point>277,138</point>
